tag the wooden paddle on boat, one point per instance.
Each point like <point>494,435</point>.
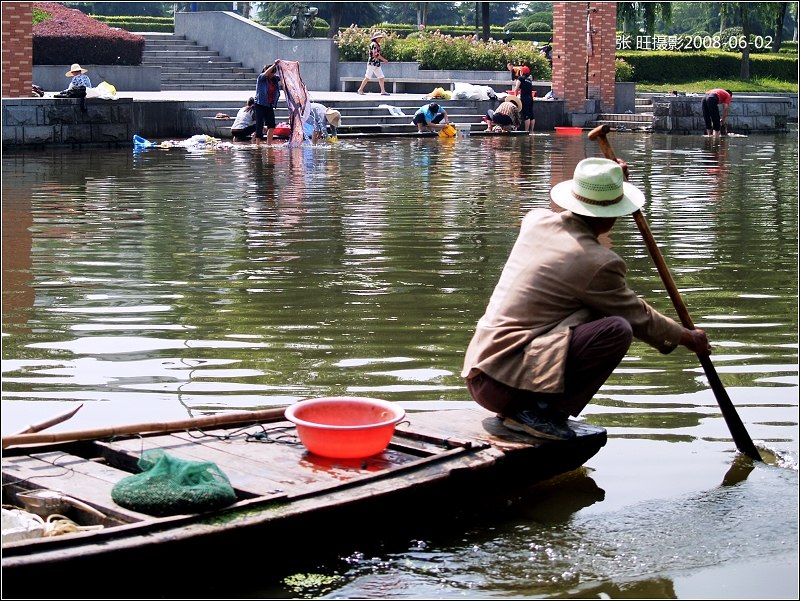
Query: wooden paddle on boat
<point>740,436</point>
<point>226,419</point>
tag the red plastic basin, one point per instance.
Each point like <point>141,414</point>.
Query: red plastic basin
<point>345,427</point>
<point>571,131</point>
<point>282,132</point>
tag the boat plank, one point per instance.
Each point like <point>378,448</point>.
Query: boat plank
<point>252,477</point>
<point>73,476</point>
<point>256,469</point>
<point>482,425</point>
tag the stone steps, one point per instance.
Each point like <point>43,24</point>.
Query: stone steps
<point>357,119</point>
<point>626,121</point>
<point>186,65</point>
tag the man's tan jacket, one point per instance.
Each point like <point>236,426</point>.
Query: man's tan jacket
<point>558,275</point>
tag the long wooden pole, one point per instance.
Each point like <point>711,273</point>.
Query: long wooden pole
<point>740,436</point>
<point>61,417</point>
<point>226,419</point>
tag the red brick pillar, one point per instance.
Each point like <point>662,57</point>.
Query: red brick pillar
<point>572,53</point>
<point>17,51</point>
<point>603,21</point>
<point>569,52</point>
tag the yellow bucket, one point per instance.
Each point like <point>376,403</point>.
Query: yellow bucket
<point>448,131</point>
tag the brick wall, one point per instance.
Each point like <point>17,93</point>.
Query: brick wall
<point>570,54</point>
<point>601,60</point>
<point>17,50</point>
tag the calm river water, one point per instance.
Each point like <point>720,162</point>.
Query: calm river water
<point>171,283</point>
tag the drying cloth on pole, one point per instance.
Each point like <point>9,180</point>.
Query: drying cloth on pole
<point>296,99</point>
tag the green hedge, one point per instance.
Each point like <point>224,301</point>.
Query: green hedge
<point>660,67</point>
<point>138,24</point>
<point>789,47</point>
<point>319,32</point>
<point>496,33</point>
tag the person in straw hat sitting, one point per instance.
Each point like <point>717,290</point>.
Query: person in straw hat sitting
<point>79,77</point>
<point>562,316</point>
<point>374,63</point>
<point>319,117</point>
<point>505,117</point>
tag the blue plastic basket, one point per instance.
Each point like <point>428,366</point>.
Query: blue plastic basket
<point>140,142</point>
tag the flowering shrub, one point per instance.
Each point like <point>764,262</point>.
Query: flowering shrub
<point>622,71</point>
<point>69,36</point>
<point>353,44</point>
<point>435,50</point>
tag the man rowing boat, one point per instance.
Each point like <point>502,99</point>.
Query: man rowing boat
<point>562,316</point>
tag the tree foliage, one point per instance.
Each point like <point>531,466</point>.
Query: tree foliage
<point>362,14</point>
<point>642,15</point>
<point>133,9</point>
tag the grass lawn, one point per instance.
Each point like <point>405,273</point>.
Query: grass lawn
<point>765,84</point>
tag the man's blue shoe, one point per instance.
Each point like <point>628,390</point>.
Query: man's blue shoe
<point>538,425</point>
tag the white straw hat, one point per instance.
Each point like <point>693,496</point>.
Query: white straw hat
<point>334,117</point>
<point>75,70</point>
<point>598,189</point>
<point>376,35</point>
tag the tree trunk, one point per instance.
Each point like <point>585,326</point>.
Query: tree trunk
<point>485,19</point>
<point>779,18</point>
<point>336,19</point>
<point>245,9</point>
<point>422,14</point>
<point>745,11</point>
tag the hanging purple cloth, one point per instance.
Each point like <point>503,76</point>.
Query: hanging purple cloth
<point>296,99</point>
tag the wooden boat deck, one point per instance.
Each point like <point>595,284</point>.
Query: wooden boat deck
<point>279,485</point>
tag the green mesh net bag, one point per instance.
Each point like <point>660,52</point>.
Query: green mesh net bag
<point>169,486</point>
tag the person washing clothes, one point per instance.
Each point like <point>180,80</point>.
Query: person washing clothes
<point>244,126</point>
<point>507,116</point>
<point>319,118</point>
<point>710,106</point>
<point>268,91</point>
<point>430,116</point>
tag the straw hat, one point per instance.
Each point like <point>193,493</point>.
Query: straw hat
<point>376,35</point>
<point>515,99</point>
<point>334,117</point>
<point>598,189</point>
<point>75,70</point>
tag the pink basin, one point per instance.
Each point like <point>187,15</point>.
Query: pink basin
<point>345,427</point>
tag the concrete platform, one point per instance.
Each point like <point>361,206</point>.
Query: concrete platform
<point>323,97</point>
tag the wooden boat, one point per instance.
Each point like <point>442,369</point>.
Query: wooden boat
<point>289,501</point>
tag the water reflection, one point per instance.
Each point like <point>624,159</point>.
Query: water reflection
<point>161,284</point>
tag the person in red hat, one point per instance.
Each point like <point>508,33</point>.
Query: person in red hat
<point>523,87</point>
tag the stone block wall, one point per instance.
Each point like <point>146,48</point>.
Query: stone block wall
<point>17,50</point>
<point>748,114</point>
<point>47,121</point>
